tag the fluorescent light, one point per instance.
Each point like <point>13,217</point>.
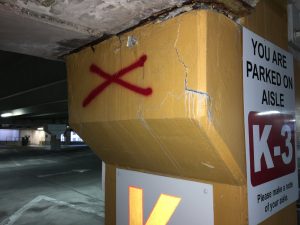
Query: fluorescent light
<point>18,112</point>
<point>40,128</point>
<point>3,115</point>
<point>268,113</point>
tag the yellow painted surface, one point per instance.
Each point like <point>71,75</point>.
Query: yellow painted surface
<point>192,125</point>
<point>136,206</point>
<point>110,194</point>
<point>269,20</point>
<point>163,210</point>
<point>182,129</point>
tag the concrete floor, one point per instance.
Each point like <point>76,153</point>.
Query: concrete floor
<point>50,188</point>
<point>43,187</point>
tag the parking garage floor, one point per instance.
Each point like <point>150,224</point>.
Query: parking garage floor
<point>43,187</point>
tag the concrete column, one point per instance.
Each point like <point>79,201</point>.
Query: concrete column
<point>55,142</point>
<point>67,135</point>
<point>55,130</point>
<point>175,105</point>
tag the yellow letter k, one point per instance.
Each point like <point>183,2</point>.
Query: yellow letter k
<point>161,212</point>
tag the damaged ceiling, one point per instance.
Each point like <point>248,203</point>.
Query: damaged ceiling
<point>53,28</point>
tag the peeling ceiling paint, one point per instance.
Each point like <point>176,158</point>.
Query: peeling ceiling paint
<point>52,28</point>
<point>97,16</point>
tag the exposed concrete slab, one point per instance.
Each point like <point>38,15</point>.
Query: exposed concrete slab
<point>21,34</point>
<point>52,28</point>
<point>91,16</point>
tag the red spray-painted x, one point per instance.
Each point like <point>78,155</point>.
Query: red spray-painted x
<point>115,78</point>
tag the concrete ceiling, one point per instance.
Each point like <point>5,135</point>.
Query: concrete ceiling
<point>53,28</point>
<point>35,89</point>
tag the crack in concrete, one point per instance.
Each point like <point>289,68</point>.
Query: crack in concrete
<point>186,72</point>
<point>186,69</point>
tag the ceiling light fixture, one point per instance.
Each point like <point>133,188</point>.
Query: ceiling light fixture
<point>4,115</point>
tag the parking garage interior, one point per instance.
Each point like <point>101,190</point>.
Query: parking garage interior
<point>62,147</point>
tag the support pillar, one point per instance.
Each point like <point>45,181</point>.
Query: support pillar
<point>67,135</point>
<point>54,142</point>
<point>55,130</point>
<point>175,105</point>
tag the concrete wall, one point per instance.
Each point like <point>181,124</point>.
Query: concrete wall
<point>9,135</point>
<point>36,136</point>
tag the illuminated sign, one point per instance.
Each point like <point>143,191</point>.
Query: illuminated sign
<point>147,199</point>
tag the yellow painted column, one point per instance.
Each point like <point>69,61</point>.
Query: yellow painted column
<point>167,98</point>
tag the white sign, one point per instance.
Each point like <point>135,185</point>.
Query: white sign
<point>144,199</point>
<point>269,114</point>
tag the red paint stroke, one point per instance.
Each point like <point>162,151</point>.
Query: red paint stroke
<point>115,78</point>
